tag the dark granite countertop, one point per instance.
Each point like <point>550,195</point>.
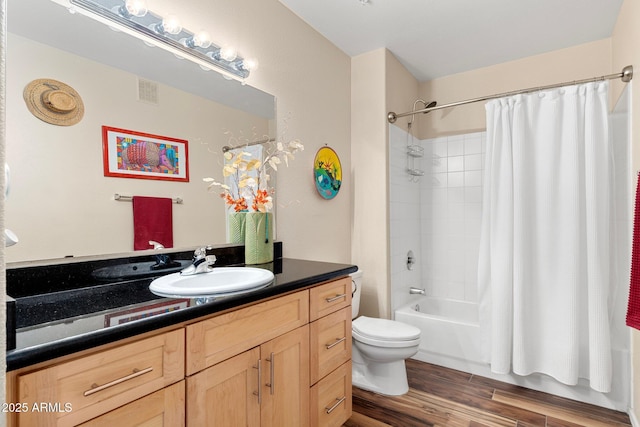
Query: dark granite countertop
<point>62,322</point>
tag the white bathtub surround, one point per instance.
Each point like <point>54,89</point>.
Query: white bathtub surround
<point>438,218</point>
<point>545,244</point>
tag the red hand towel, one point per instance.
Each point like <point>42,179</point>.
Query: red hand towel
<point>633,309</point>
<point>152,220</point>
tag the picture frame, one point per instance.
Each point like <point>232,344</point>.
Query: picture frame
<point>131,154</point>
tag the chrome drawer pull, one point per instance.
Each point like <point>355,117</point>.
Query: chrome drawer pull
<point>259,392</point>
<point>336,298</point>
<point>339,401</point>
<point>271,384</point>
<point>333,344</point>
<point>136,373</point>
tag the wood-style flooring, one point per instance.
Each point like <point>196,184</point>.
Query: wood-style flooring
<point>444,397</point>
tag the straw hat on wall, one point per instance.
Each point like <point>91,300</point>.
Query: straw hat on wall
<point>54,102</point>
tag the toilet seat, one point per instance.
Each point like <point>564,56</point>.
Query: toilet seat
<point>384,333</point>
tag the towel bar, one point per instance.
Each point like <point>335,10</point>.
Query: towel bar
<point>117,196</point>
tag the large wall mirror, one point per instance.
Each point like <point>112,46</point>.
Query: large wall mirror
<point>60,204</point>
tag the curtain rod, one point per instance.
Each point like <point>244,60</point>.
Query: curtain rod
<point>262,141</point>
<point>626,75</point>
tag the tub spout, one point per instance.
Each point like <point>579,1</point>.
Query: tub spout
<point>419,291</point>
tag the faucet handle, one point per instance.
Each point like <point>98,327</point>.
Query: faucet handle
<point>202,251</point>
<point>156,245</point>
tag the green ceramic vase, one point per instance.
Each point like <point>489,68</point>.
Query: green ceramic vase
<point>258,242</point>
<point>236,222</point>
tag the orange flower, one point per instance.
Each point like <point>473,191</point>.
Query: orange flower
<point>261,201</point>
<point>239,204</point>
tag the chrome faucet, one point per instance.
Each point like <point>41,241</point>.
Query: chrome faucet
<point>202,263</point>
<point>419,291</point>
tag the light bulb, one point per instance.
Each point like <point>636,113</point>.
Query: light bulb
<point>171,24</point>
<point>136,7</point>
<point>202,39</point>
<point>228,53</point>
<point>250,64</point>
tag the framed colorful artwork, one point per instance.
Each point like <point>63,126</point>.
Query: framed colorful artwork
<point>327,172</point>
<point>131,154</point>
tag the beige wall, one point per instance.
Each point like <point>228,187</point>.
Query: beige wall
<point>378,82</point>
<point>564,65</point>
<point>626,51</point>
<point>310,78</point>
<point>370,225</point>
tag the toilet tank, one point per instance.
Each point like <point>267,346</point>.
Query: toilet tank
<point>356,291</point>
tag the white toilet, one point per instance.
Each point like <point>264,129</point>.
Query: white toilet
<point>380,347</point>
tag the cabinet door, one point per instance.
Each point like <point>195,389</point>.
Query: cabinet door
<point>226,394</point>
<point>159,409</point>
<point>285,380</point>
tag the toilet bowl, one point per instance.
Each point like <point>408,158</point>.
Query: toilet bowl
<point>379,349</point>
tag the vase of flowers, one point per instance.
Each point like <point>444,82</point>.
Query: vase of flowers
<point>250,198</point>
<point>236,226</point>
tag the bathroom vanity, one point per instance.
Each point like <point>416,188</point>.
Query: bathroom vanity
<point>280,355</point>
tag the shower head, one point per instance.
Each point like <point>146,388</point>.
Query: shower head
<point>429,105</point>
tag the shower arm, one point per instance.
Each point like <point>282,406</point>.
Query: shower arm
<point>625,75</point>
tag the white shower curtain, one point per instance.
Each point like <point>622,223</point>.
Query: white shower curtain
<point>544,252</point>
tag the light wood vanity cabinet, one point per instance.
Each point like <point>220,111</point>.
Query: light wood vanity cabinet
<point>89,386</point>
<point>216,339</point>
<point>330,311</point>
<point>281,362</point>
<point>265,386</point>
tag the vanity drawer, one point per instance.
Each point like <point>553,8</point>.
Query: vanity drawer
<point>331,398</point>
<point>330,343</point>
<point>92,385</point>
<point>330,297</point>
<point>162,408</point>
<point>214,340</point>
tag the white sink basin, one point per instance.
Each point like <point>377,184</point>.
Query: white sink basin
<point>220,281</point>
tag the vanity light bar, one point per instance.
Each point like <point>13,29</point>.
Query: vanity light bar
<point>148,28</point>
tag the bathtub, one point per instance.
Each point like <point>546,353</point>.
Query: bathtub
<point>450,337</point>
<point>450,331</point>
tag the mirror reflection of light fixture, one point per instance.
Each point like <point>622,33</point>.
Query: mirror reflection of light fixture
<point>133,8</point>
<point>228,53</point>
<point>133,17</point>
<point>200,39</point>
<point>170,24</point>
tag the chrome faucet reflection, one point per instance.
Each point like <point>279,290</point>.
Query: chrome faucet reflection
<point>202,263</point>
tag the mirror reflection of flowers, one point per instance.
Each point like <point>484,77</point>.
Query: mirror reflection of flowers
<point>250,176</point>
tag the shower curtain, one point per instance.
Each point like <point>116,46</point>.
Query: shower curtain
<point>544,252</point>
